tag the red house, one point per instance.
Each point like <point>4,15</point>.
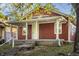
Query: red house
<point>44,25</point>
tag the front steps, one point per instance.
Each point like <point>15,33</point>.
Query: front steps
<point>48,42</point>
<point>24,43</point>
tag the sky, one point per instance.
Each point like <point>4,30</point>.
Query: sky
<point>63,7</point>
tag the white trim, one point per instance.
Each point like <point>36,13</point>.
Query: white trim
<point>57,34</point>
<point>53,18</point>
<point>35,30</point>
<point>17,33</point>
<point>11,36</point>
<point>69,31</point>
<point>11,32</point>
<point>60,26</point>
<point>23,29</point>
<point>60,18</point>
<point>49,21</point>
<point>57,29</point>
<point>26,31</point>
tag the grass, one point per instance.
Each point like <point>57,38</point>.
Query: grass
<point>47,51</point>
<point>4,48</point>
<point>41,50</point>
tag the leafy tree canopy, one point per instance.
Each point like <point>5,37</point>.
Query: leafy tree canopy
<point>2,15</point>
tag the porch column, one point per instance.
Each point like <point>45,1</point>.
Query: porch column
<point>5,34</point>
<point>17,33</point>
<point>35,30</point>
<point>11,38</point>
<point>57,32</point>
<point>69,31</point>
<point>26,31</point>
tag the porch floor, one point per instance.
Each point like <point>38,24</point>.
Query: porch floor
<point>33,42</point>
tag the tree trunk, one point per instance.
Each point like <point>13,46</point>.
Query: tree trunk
<point>76,43</point>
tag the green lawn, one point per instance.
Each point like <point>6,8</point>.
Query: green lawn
<point>47,50</point>
<point>41,50</point>
<point>4,48</point>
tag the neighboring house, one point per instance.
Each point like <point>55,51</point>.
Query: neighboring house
<point>2,30</point>
<point>43,25</point>
<point>72,32</point>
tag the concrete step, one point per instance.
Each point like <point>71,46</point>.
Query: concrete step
<point>19,42</point>
<point>26,47</point>
<point>24,42</point>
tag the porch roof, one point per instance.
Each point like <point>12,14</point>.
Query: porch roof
<point>39,19</point>
<point>2,24</point>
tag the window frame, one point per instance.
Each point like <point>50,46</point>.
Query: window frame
<point>24,31</point>
<point>60,28</point>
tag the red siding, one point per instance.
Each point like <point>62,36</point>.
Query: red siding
<point>46,31</point>
<point>20,34</point>
<point>30,32</point>
<point>64,34</point>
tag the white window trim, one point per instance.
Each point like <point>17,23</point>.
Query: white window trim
<point>56,27</point>
<point>24,29</point>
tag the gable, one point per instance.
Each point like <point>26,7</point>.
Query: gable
<point>41,11</point>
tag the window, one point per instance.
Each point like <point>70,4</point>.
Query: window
<point>24,31</point>
<point>60,28</point>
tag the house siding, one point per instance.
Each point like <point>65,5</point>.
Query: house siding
<point>46,31</point>
<point>20,32</point>
<point>0,32</point>
<point>29,31</point>
<point>64,34</point>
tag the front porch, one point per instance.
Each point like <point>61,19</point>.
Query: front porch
<point>2,32</point>
<point>35,32</point>
<point>39,42</point>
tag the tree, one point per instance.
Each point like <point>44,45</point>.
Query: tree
<point>76,44</point>
<point>17,11</point>
<point>2,16</point>
<point>20,10</point>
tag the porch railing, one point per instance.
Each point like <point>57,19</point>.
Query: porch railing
<point>4,42</point>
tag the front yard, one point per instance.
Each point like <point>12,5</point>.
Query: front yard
<point>42,50</point>
<point>48,50</point>
<point>4,48</point>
